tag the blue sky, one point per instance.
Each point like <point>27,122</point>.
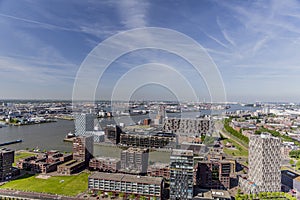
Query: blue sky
<point>254,44</point>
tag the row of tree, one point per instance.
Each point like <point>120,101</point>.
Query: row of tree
<point>265,195</point>
<point>122,195</point>
<point>277,134</point>
<point>233,132</point>
<point>294,154</point>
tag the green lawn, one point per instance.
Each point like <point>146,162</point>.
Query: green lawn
<point>20,155</point>
<point>239,151</point>
<point>62,185</point>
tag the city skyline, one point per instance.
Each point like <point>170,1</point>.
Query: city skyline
<point>253,44</point>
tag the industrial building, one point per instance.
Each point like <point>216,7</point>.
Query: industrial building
<point>181,174</point>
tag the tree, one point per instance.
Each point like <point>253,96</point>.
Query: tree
<point>109,194</point>
<point>121,195</point>
<point>260,195</point>
<point>100,192</point>
<point>239,191</point>
<point>132,196</point>
<point>143,198</point>
<point>251,196</point>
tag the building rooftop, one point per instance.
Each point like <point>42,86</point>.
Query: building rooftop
<point>127,178</point>
<point>265,135</point>
<point>71,163</point>
<point>139,150</point>
<point>289,174</point>
<point>5,150</point>
<point>181,152</point>
<point>107,159</point>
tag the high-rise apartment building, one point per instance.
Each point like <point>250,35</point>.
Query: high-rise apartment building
<point>84,122</point>
<point>6,161</point>
<point>181,174</point>
<point>134,160</point>
<point>113,133</point>
<point>264,163</point>
<point>83,148</point>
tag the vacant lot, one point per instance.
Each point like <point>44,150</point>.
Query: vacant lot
<point>238,151</point>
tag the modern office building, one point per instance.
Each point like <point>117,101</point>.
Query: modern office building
<point>134,160</point>
<point>6,161</point>
<point>264,163</point>
<point>112,133</point>
<point>181,174</point>
<point>83,148</point>
<point>287,180</point>
<point>84,122</point>
<point>149,187</point>
<point>214,174</point>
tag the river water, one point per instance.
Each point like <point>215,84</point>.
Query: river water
<point>50,135</point>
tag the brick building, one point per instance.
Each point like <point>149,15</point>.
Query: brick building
<point>105,164</point>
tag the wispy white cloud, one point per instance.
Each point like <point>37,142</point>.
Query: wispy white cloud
<point>38,23</point>
<point>133,13</point>
<point>216,40</point>
<point>224,32</point>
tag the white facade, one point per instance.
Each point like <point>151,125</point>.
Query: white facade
<point>264,163</point>
<point>84,123</point>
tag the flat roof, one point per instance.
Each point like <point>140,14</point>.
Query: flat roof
<point>102,158</point>
<point>181,152</point>
<point>136,149</point>
<point>127,178</point>
<point>5,150</point>
<point>71,163</point>
<point>289,173</point>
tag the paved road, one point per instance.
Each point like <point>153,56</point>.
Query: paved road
<point>33,195</point>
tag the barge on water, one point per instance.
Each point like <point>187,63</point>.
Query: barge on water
<point>11,142</point>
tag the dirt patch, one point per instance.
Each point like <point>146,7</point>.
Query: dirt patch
<point>41,176</point>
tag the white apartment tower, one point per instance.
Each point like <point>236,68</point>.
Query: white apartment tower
<point>264,163</point>
<point>84,123</point>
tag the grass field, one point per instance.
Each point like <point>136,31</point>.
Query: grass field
<point>239,151</point>
<point>20,155</point>
<point>62,185</point>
